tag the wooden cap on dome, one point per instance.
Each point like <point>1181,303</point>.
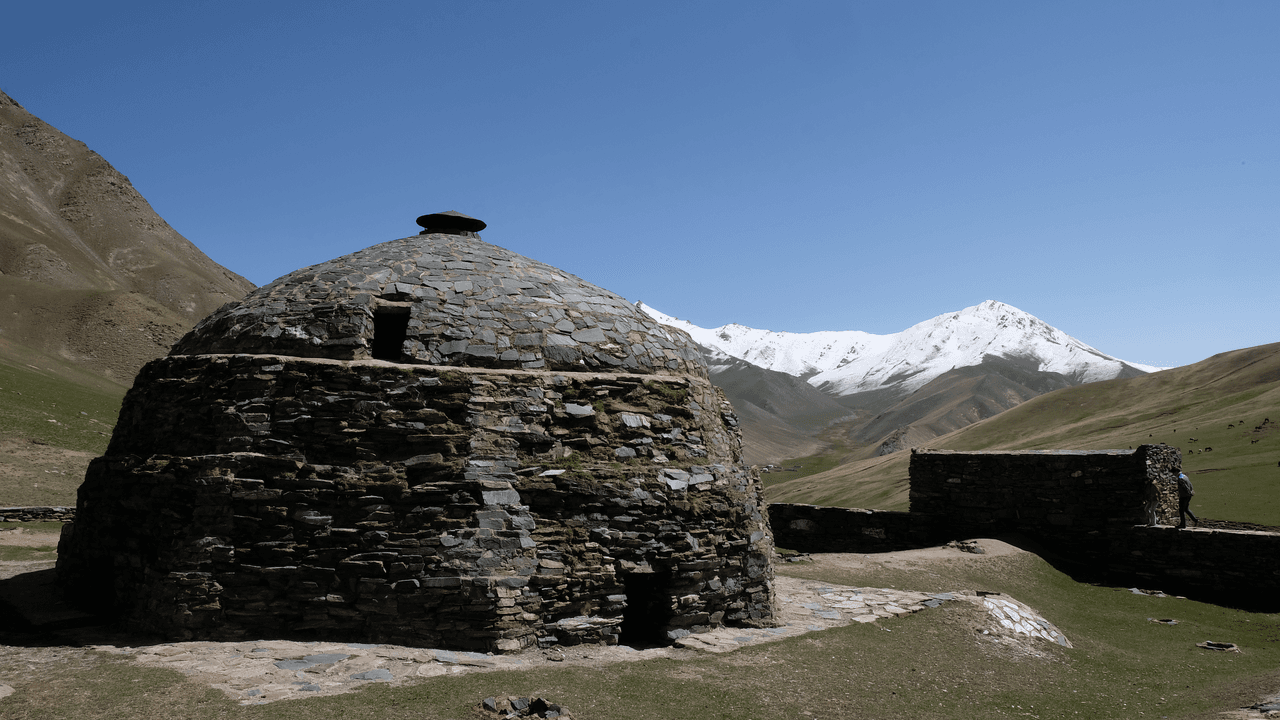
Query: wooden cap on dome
<point>450,222</point>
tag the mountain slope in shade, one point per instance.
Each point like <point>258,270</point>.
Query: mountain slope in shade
<point>89,273</point>
<point>955,399</point>
<point>850,362</point>
<point>779,414</point>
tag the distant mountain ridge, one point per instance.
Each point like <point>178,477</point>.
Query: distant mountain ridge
<point>849,362</point>
<point>891,392</point>
<point>780,415</point>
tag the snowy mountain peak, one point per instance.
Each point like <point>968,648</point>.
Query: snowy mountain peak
<point>851,361</point>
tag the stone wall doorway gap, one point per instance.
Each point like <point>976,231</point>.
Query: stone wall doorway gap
<point>390,325</point>
<point>648,611</point>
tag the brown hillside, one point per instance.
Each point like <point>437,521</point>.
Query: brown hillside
<point>89,273</point>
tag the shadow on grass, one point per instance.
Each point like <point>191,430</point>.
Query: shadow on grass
<point>1090,573</point>
<point>34,613</point>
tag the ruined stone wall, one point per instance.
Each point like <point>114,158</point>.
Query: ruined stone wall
<point>1056,495</point>
<point>37,514</point>
<point>956,495</point>
<point>1235,566</point>
<point>447,507</point>
<point>815,528</point>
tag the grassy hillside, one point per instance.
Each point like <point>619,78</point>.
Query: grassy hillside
<point>1220,403</point>
<point>94,284</point>
<point>53,420</point>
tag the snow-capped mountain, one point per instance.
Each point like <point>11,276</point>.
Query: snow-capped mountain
<point>847,362</point>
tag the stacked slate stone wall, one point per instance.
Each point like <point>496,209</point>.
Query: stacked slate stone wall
<point>816,528</point>
<point>448,507</point>
<point>37,514</point>
<point>1239,567</point>
<point>1092,510</point>
<point>1060,496</point>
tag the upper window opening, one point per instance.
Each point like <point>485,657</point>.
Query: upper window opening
<point>390,325</point>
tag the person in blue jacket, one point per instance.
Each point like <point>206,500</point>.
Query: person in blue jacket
<point>1185,492</point>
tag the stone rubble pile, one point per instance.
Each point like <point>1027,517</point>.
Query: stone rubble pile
<point>521,707</point>
<point>1015,617</point>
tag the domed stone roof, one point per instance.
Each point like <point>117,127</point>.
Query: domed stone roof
<point>445,297</point>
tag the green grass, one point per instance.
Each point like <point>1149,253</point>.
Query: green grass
<point>52,422</point>
<point>9,553</point>
<point>1122,663</point>
<point>879,483</point>
<point>49,533</point>
<point>804,467</point>
<point>41,527</point>
<point>42,406</point>
<point>1239,479</point>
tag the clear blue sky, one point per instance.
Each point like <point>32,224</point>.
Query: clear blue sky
<point>1110,167</point>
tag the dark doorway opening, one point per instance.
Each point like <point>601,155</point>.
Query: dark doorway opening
<point>648,611</point>
<point>390,325</point>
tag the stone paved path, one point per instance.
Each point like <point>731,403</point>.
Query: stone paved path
<point>257,672</point>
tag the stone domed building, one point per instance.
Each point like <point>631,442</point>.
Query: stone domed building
<point>433,441</point>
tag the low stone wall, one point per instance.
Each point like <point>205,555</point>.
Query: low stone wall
<point>1238,566</point>
<point>37,514</point>
<point>815,528</point>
